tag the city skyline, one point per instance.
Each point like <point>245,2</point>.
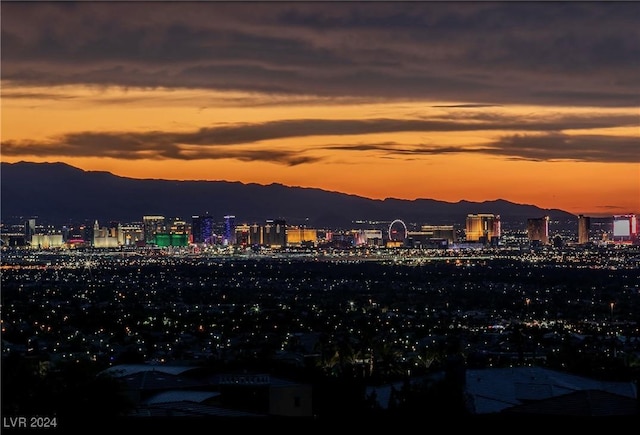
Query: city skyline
<point>534,103</point>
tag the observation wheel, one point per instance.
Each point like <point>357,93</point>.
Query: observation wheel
<point>397,231</point>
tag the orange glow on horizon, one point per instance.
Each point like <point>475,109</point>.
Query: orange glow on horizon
<point>443,164</point>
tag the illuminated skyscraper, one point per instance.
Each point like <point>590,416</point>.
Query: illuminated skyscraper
<point>584,225</point>
<point>538,230</point>
<point>229,230</point>
<point>297,236</point>
<point>482,227</point>
<point>625,228</point>
<point>202,229</point>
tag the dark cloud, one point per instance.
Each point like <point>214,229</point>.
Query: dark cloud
<point>36,95</point>
<point>168,143</point>
<point>559,53</point>
<point>153,146</point>
<point>546,147</point>
<point>405,150</point>
<point>543,142</point>
<point>543,147</point>
<point>579,148</point>
<point>248,133</point>
<point>464,106</point>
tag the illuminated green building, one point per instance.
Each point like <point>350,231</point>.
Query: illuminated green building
<point>164,240</point>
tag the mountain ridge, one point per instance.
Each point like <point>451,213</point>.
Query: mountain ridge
<point>61,193</point>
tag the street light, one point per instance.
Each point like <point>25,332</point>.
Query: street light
<point>611,314</point>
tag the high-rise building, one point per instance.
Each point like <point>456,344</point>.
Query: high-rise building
<point>274,233</point>
<point>625,228</point>
<point>179,226</point>
<point>242,234</point>
<point>248,235</point>
<point>446,232</point>
<point>431,236</point>
<point>202,229</point>
<point>538,230</point>
<point>255,234</point>
<point>367,237</point>
<point>151,226</point>
<point>483,227</point>
<point>229,230</point>
<point>130,234</point>
<point>46,241</point>
<point>103,237</point>
<point>78,235</point>
<point>29,230</point>
<point>584,225</point>
<point>301,235</point>
<point>175,234</point>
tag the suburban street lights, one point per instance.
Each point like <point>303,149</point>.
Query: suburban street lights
<point>613,332</point>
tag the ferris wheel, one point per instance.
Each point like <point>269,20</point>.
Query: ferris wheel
<point>397,231</point>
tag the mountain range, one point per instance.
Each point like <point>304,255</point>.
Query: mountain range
<point>58,194</point>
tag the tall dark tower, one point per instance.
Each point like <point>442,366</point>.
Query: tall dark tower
<point>280,232</point>
<point>538,230</point>
<point>274,233</point>
<point>584,225</point>
<point>29,230</point>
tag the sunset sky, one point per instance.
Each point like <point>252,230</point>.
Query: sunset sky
<point>536,103</point>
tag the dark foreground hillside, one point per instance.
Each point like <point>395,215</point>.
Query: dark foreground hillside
<point>340,327</point>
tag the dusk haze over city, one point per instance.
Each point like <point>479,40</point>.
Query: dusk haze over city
<point>319,215</point>
<point>531,102</point>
